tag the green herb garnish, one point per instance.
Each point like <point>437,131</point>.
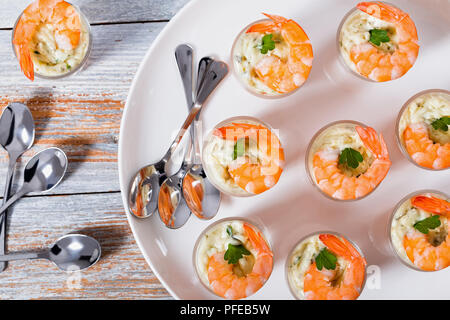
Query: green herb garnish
<point>351,157</point>
<point>427,224</point>
<point>239,149</point>
<point>234,253</point>
<point>326,259</point>
<point>68,66</point>
<point>230,231</point>
<point>441,123</point>
<point>267,44</point>
<point>377,36</point>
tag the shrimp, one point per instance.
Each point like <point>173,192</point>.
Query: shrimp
<point>335,183</point>
<point>227,284</point>
<point>277,73</point>
<point>165,206</point>
<point>383,65</point>
<point>424,151</point>
<point>58,13</point>
<point>343,283</point>
<point>430,252</point>
<point>260,168</point>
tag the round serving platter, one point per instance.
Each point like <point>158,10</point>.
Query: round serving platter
<point>156,108</point>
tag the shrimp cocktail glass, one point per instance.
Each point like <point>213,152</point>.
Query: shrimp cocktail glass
<point>377,41</point>
<point>232,258</point>
<point>326,266</point>
<point>422,129</point>
<point>346,160</point>
<point>51,39</point>
<point>272,57</point>
<point>242,157</point>
<point>419,229</point>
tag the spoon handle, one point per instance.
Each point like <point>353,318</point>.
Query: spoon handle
<point>19,194</point>
<point>24,256</point>
<point>9,178</point>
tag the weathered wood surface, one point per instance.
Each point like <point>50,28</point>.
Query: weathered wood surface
<point>103,11</point>
<point>81,115</point>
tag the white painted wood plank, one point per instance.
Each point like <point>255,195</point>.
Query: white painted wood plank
<point>81,114</point>
<point>103,11</point>
<point>37,222</point>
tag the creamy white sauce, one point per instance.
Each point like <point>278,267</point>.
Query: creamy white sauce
<point>424,110</point>
<point>246,55</point>
<point>301,259</point>
<point>335,139</point>
<point>403,223</point>
<point>216,240</point>
<point>49,59</point>
<point>355,31</point>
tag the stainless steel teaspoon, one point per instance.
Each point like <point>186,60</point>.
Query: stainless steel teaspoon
<point>72,252</point>
<point>42,173</point>
<point>16,136</point>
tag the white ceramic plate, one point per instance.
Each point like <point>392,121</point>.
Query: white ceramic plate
<point>156,108</point>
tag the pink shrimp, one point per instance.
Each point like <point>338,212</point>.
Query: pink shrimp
<point>227,284</point>
<point>430,252</point>
<point>336,184</point>
<point>255,175</point>
<point>61,14</point>
<point>381,65</point>
<point>278,74</point>
<point>424,151</point>
<point>331,284</point>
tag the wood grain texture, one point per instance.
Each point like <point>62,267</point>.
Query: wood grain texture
<point>103,11</point>
<point>81,114</point>
<point>37,222</point>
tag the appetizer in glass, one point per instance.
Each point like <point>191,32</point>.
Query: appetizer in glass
<point>272,57</point>
<point>423,129</point>
<point>242,156</point>
<point>51,39</point>
<point>378,41</point>
<point>233,259</point>
<point>347,160</point>
<point>326,266</point>
<point>419,231</point>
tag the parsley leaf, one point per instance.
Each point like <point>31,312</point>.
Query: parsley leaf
<point>230,231</point>
<point>351,157</point>
<point>441,124</point>
<point>234,253</point>
<point>239,149</point>
<point>326,259</point>
<point>377,36</point>
<point>267,44</point>
<point>425,225</point>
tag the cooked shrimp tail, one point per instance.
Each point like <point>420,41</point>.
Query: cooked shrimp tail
<point>432,204</point>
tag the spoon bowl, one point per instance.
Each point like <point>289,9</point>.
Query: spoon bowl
<point>72,252</point>
<point>16,136</point>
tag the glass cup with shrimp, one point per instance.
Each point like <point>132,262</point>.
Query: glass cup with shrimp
<point>233,258</point>
<point>272,57</point>
<point>243,157</point>
<point>346,160</point>
<point>377,41</point>
<point>326,266</point>
<point>51,39</point>
<point>419,228</point>
<point>422,129</point>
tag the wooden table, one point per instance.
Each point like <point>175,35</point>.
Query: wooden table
<point>81,115</point>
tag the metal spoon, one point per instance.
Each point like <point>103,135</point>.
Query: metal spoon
<point>144,187</point>
<point>173,209</point>
<point>196,176</point>
<point>42,173</point>
<point>16,137</point>
<point>71,252</point>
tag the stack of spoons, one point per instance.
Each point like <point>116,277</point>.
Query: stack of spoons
<point>188,190</point>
